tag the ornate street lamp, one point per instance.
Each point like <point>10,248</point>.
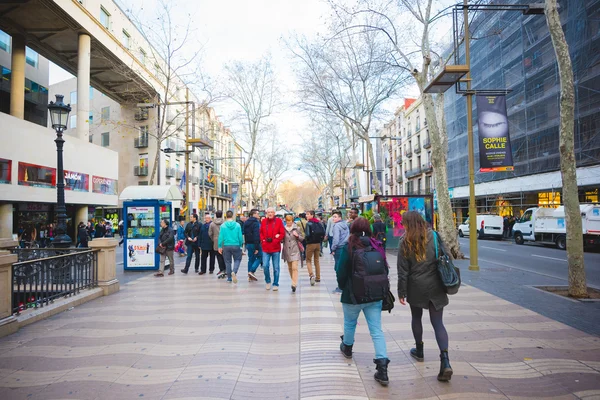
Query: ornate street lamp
<point>59,115</point>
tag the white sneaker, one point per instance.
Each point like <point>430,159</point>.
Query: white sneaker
<point>275,288</point>
<point>312,280</point>
<point>268,286</point>
<point>234,277</point>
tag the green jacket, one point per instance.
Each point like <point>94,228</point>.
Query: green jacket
<point>343,271</point>
<point>230,235</point>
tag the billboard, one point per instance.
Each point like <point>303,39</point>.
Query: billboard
<point>77,181</point>
<point>140,253</point>
<point>495,153</point>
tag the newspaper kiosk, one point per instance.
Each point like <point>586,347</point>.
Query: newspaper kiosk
<point>143,209</point>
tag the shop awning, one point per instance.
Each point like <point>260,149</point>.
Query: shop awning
<point>164,192</point>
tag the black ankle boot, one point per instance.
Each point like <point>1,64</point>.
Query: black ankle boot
<point>345,349</point>
<point>417,353</point>
<point>381,375</point>
<point>445,369</point>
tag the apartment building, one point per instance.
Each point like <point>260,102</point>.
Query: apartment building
<point>516,53</point>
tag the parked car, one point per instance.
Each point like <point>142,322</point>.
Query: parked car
<point>488,225</point>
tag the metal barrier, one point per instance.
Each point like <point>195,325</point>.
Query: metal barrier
<point>38,282</point>
<point>34,253</point>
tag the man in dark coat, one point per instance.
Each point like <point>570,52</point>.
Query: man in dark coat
<point>207,244</point>
<point>252,237</point>
<point>192,233</point>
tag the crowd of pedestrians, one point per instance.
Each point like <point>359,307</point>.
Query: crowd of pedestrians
<point>359,252</point>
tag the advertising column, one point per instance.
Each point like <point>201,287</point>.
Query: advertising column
<point>141,230</point>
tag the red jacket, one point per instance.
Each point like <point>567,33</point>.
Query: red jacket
<point>268,229</point>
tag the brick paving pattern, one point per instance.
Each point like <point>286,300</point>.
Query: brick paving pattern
<point>192,337</point>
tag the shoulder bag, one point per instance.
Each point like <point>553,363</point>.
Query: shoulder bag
<point>449,274</point>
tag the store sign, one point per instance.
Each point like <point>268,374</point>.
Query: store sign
<point>5,170</point>
<point>140,253</point>
<point>77,181</point>
<point>235,189</point>
<point>104,185</point>
<point>495,153</point>
<point>36,175</point>
<point>34,207</point>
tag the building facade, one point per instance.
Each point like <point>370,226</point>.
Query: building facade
<point>516,53</point>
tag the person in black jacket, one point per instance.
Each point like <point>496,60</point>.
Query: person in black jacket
<point>420,284</point>
<point>166,240</point>
<point>192,238</point>
<point>82,235</point>
<point>379,229</point>
<point>252,236</point>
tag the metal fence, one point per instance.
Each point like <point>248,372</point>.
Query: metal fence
<point>37,282</point>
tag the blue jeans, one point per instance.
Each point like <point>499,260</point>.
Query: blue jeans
<point>266,258</point>
<point>372,313</point>
<point>336,257</point>
<point>253,259</point>
<point>330,240</point>
<point>235,253</point>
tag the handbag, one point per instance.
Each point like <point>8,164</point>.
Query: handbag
<point>449,274</point>
<point>300,247</point>
<point>161,250</point>
<point>388,302</point>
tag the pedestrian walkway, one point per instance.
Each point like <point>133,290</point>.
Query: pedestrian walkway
<point>196,337</point>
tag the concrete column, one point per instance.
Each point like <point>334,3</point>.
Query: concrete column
<point>17,77</point>
<point>107,264</point>
<point>6,221</point>
<point>83,86</point>
<point>8,323</point>
<point>81,215</point>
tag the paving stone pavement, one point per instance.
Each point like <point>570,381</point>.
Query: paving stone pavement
<point>196,337</point>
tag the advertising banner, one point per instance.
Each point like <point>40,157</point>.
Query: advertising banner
<point>104,185</point>
<point>235,188</point>
<point>140,253</point>
<point>36,175</point>
<point>495,153</point>
<point>77,181</point>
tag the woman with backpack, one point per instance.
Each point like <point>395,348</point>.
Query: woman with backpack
<point>361,256</point>
<point>420,284</point>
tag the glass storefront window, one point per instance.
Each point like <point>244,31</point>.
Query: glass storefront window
<point>31,57</point>
<point>549,199</point>
<point>4,41</point>
<point>5,171</point>
<point>36,175</point>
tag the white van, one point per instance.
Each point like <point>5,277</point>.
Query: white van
<point>487,226</point>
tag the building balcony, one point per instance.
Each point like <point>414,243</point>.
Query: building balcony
<point>399,179</point>
<point>417,150</point>
<point>208,184</point>
<point>141,115</point>
<point>170,172</point>
<point>427,168</point>
<point>140,171</point>
<point>223,195</point>
<point>408,153</point>
<point>399,160</point>
<point>140,142</point>
<point>414,172</point>
<point>178,175</point>
<point>427,144</point>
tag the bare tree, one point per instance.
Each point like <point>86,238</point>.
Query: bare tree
<point>272,164</point>
<point>325,155</point>
<point>568,165</point>
<point>173,57</point>
<point>252,87</point>
<point>351,75</point>
<point>421,61</point>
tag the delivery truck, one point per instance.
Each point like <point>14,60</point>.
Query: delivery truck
<point>548,226</point>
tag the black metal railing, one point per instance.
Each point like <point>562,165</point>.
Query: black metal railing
<point>38,282</point>
<point>26,254</point>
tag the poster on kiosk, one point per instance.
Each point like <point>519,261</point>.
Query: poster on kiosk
<point>142,225</point>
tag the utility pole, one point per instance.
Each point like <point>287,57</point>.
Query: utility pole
<point>187,154</point>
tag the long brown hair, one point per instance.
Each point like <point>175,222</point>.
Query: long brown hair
<point>415,237</point>
<point>360,227</point>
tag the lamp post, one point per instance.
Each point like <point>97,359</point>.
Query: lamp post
<point>59,115</point>
<point>452,75</point>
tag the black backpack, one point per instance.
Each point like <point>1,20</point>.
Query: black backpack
<point>370,280</point>
<point>317,232</point>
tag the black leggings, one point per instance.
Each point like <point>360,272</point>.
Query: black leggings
<point>436,317</point>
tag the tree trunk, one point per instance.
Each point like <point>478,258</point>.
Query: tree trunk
<point>439,155</point>
<point>568,166</point>
<point>155,164</point>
